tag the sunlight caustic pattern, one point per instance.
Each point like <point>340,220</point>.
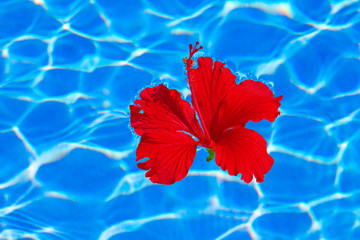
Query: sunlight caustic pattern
<point>69,70</point>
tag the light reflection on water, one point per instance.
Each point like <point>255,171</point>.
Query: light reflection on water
<point>69,70</point>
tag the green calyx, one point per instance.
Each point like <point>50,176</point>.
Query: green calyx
<point>211,154</point>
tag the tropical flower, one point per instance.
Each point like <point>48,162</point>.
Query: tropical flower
<point>171,132</point>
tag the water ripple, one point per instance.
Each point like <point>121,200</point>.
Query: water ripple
<point>69,69</point>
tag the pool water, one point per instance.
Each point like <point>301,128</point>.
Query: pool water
<point>70,68</point>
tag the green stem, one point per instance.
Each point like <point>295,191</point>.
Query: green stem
<point>211,154</point>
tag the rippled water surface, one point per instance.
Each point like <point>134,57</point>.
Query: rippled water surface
<point>70,68</point>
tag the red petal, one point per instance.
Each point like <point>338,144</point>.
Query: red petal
<point>170,155</point>
<point>209,84</point>
<point>241,150</point>
<point>163,109</point>
<point>249,101</point>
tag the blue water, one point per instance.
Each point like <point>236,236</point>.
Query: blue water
<point>70,68</point>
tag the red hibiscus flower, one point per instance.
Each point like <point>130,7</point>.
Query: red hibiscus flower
<point>171,129</point>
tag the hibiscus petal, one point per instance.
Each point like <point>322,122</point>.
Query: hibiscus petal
<point>209,84</point>
<point>170,155</point>
<point>248,101</point>
<point>241,150</point>
<point>163,109</point>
